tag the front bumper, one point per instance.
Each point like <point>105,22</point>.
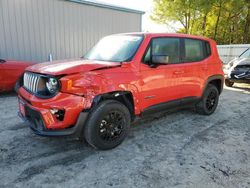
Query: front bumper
<point>37,126</point>
<point>238,76</point>
<point>38,115</point>
<point>243,81</point>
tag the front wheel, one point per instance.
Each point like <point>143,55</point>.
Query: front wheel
<point>107,125</point>
<point>229,83</point>
<point>209,101</point>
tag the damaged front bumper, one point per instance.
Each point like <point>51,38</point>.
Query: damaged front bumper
<point>238,76</point>
<point>39,114</point>
<point>36,125</point>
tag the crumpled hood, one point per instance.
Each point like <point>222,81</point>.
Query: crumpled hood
<point>62,67</point>
<point>244,61</point>
<point>240,61</point>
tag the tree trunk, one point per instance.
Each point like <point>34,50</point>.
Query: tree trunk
<point>186,23</point>
<point>246,37</point>
<point>191,21</point>
<point>232,29</point>
<point>204,23</point>
<point>227,29</point>
<point>217,21</point>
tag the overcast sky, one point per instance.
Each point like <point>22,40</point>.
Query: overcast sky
<point>144,5</point>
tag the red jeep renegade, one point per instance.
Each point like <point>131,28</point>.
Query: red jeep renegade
<point>121,77</point>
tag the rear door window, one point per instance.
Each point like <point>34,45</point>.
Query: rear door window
<point>194,50</point>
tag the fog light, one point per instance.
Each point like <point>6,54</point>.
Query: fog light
<point>59,114</point>
<point>54,111</point>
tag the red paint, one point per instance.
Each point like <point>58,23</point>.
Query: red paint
<point>81,82</point>
<point>10,71</point>
<point>72,104</point>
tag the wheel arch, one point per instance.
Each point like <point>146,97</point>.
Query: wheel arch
<point>124,97</point>
<point>217,81</point>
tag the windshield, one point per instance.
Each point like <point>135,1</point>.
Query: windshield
<point>117,48</point>
<point>246,54</point>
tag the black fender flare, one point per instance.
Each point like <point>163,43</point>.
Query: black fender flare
<point>125,97</point>
<point>213,78</point>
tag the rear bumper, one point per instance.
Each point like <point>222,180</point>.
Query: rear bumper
<point>36,124</point>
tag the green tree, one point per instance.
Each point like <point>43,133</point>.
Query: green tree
<point>166,10</point>
<point>246,35</point>
<point>226,21</point>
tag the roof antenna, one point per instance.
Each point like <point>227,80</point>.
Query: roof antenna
<point>50,57</point>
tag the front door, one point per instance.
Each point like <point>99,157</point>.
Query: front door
<point>160,83</point>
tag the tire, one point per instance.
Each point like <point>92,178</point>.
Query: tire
<point>107,125</point>
<point>209,101</point>
<point>229,83</point>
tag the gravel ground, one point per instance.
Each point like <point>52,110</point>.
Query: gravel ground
<point>181,149</point>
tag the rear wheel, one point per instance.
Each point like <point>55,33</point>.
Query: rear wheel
<point>209,101</point>
<point>107,125</point>
<point>229,83</point>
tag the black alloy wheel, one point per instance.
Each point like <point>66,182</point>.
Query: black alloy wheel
<point>229,83</point>
<point>111,126</point>
<point>209,101</point>
<point>107,125</point>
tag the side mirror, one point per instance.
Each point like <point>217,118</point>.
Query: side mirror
<point>2,61</point>
<point>160,59</point>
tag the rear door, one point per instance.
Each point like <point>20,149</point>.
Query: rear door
<point>194,67</point>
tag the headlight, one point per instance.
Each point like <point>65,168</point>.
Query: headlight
<point>52,84</point>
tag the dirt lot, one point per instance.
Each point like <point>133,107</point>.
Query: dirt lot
<point>180,149</point>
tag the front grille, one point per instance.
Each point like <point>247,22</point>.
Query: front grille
<point>242,67</point>
<point>33,82</point>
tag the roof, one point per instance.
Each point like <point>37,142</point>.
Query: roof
<point>150,34</point>
<point>106,5</point>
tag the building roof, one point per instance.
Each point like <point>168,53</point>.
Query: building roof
<point>106,5</point>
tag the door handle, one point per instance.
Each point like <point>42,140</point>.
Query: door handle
<point>178,72</point>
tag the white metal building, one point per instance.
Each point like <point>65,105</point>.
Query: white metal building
<point>32,29</point>
<point>229,52</point>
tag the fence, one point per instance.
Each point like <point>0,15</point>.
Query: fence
<point>229,52</point>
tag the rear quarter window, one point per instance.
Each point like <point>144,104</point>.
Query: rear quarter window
<point>207,48</point>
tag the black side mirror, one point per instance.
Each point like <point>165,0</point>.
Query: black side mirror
<point>2,61</point>
<point>160,59</point>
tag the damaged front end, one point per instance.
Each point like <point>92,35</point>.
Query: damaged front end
<point>240,71</point>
